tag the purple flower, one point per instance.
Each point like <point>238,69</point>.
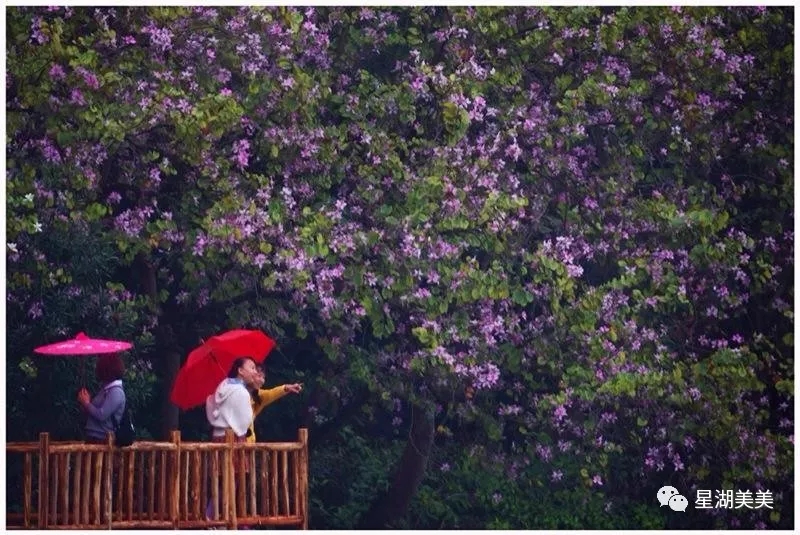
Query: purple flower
<point>557,475</point>
<point>76,97</point>
<point>161,38</point>
<point>88,77</point>
<point>129,40</point>
<point>574,271</point>
<point>36,310</point>
<point>241,152</point>
<point>486,376</point>
<point>677,463</point>
<point>57,72</point>
<point>544,452</point>
<point>597,481</point>
<point>703,100</point>
<point>155,176</point>
<point>49,151</point>
<point>36,32</point>
<point>199,245</point>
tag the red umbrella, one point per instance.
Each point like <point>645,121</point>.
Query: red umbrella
<point>82,345</point>
<point>208,364</point>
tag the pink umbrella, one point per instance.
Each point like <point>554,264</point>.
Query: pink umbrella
<point>83,345</point>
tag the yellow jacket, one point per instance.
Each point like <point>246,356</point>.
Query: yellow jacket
<point>265,397</point>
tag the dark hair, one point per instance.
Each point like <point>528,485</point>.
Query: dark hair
<point>233,373</point>
<point>109,368</point>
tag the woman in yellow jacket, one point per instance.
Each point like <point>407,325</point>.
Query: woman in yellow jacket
<point>261,397</point>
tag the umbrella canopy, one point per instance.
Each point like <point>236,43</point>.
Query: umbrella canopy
<point>83,345</point>
<point>208,364</point>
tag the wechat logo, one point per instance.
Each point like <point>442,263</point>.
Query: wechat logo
<point>671,497</point>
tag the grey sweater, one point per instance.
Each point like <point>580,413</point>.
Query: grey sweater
<point>105,410</point>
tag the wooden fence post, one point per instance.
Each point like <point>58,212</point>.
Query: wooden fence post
<point>302,436</point>
<point>44,480</point>
<point>229,489</point>
<point>107,473</point>
<point>27,490</point>
<point>174,478</point>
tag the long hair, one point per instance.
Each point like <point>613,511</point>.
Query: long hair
<point>109,368</point>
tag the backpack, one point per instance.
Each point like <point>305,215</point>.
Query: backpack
<point>124,430</point>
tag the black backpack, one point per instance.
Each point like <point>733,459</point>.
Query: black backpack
<point>124,431</point>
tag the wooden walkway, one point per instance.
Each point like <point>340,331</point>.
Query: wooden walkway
<point>157,485</point>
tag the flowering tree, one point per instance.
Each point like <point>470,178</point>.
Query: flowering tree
<point>569,229</point>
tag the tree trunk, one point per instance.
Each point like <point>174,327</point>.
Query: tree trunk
<point>169,412</point>
<point>165,346</point>
<point>393,504</point>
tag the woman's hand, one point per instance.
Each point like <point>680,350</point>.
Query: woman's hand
<point>295,388</point>
<point>83,397</point>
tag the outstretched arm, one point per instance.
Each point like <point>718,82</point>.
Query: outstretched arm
<point>267,396</point>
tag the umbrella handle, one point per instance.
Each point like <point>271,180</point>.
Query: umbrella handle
<point>214,357</point>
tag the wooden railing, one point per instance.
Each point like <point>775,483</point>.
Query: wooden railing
<point>151,485</point>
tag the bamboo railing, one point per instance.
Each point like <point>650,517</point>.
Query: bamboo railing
<point>157,485</point>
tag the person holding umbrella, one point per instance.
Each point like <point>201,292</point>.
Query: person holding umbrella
<point>219,374</point>
<point>107,407</point>
<point>229,406</point>
<point>104,411</point>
